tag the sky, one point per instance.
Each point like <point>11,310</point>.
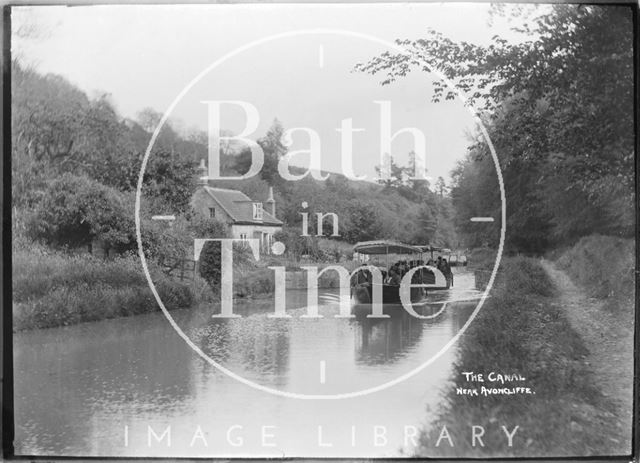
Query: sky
<point>148,55</point>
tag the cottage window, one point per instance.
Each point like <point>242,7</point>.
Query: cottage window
<point>257,211</point>
<point>212,212</point>
<point>243,236</point>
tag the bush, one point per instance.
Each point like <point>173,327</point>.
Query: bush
<point>74,210</point>
<point>209,266</point>
<point>161,242</point>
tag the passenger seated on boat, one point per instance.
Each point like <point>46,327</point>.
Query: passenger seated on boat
<point>363,275</point>
<point>405,267</point>
<point>394,278</point>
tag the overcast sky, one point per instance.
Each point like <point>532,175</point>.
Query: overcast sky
<point>145,56</point>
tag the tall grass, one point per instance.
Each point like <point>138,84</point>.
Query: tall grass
<point>522,329</point>
<point>604,266</point>
<point>53,288</point>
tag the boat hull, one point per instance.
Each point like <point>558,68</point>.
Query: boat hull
<point>362,297</point>
<point>363,294</point>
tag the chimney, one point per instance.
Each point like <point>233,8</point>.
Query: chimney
<point>202,174</point>
<point>271,202</point>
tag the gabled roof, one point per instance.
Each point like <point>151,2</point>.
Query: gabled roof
<point>240,207</point>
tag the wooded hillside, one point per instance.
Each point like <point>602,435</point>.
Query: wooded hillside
<point>76,162</point>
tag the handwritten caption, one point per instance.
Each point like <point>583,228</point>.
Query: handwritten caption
<point>493,383</point>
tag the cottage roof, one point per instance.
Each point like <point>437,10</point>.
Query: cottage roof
<point>240,207</point>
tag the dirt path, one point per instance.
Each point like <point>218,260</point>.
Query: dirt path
<point>609,338</point>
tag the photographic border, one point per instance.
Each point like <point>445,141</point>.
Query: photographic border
<point>6,325</point>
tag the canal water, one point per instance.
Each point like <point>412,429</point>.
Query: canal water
<point>110,387</point>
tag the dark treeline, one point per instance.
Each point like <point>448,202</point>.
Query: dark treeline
<point>558,107</point>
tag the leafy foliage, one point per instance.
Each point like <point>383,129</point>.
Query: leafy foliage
<point>365,223</point>
<point>558,105</point>
<point>170,180</point>
<point>210,257</point>
<point>74,210</point>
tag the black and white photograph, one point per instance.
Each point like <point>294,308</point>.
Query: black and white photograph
<point>320,230</point>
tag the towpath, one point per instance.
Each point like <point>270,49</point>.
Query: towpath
<point>608,335</point>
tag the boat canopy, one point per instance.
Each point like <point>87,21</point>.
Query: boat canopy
<point>385,247</point>
<point>432,249</point>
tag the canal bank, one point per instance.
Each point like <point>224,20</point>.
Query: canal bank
<point>524,329</point>
<point>56,288</point>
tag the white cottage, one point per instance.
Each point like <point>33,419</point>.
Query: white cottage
<point>245,217</point>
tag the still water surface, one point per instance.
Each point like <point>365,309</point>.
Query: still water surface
<point>97,388</point>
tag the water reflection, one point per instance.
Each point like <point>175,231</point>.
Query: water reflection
<point>259,344</point>
<point>76,387</point>
<point>383,340</point>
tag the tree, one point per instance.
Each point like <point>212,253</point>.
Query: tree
<point>56,128</point>
<point>426,224</point>
<point>559,102</point>
<point>210,266</point>
<point>274,150</point>
<point>170,180</point>
<point>390,174</point>
<point>363,222</point>
<point>418,186</point>
<point>441,186</point>
<point>149,119</point>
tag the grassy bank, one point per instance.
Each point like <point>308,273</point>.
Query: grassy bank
<point>482,259</point>
<point>522,329</point>
<point>53,288</point>
<point>604,267</point>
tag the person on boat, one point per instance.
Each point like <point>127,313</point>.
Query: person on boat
<point>403,268</point>
<point>394,277</point>
<point>448,274</point>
